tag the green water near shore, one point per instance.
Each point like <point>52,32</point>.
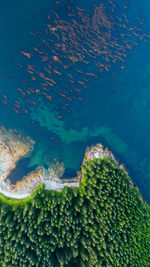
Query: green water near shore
<point>111,107</point>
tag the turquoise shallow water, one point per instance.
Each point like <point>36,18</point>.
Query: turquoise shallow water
<point>74,74</point>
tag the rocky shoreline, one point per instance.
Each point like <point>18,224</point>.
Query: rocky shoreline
<point>98,151</point>
<point>14,146</point>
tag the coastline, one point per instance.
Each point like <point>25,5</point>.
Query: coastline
<point>14,146</point>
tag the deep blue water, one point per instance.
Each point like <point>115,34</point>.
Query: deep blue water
<point>68,101</point>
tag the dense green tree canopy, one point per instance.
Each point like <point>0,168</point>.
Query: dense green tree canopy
<point>103,223</point>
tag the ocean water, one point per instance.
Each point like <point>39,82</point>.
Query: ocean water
<point>76,73</point>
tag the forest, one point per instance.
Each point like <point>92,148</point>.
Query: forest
<point>104,222</point>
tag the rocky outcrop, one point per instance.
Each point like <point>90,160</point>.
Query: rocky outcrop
<point>13,146</point>
<point>29,183</point>
<point>98,151</point>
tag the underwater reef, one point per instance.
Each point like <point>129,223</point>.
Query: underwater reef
<point>104,222</point>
